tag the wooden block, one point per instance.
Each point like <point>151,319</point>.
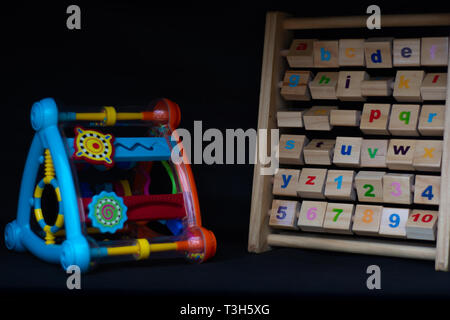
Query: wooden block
<point>366,220</point>
<point>400,155</point>
<point>312,214</point>
<point>431,120</point>
<point>377,87</point>
<point>345,118</point>
<point>404,119</point>
<point>347,151</point>
<point>295,85</point>
<point>393,222</point>
<point>375,118</point>
<point>338,218</point>
<point>318,118</point>
<point>290,119</point>
<point>351,52</point>
<point>427,190</point>
<point>428,155</point>
<point>378,53</point>
<point>285,182</point>
<point>407,85</point>
<point>373,153</point>
<point>434,51</point>
<point>284,214</point>
<point>369,186</point>
<point>319,151</point>
<point>324,85</point>
<point>407,52</point>
<point>422,225</point>
<point>291,148</point>
<point>339,185</point>
<point>434,86</point>
<point>312,183</point>
<point>301,53</point>
<point>397,188</point>
<point>326,54</point>
<point>349,85</point>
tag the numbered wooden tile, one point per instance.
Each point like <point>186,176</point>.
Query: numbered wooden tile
<point>431,120</point>
<point>301,53</point>
<point>434,86</point>
<point>397,188</point>
<point>295,85</point>
<point>318,118</point>
<point>375,117</point>
<point>378,53</point>
<point>422,225</point>
<point>284,214</point>
<point>312,214</point>
<point>351,52</point>
<point>348,151</point>
<point>407,52</point>
<point>345,118</point>
<point>404,120</point>
<point>428,155</point>
<point>338,218</point>
<point>285,182</point>
<point>312,183</point>
<point>339,185</point>
<point>369,186</point>
<point>326,54</point>
<point>291,148</point>
<point>393,222</point>
<point>324,86</point>
<point>367,219</point>
<point>319,151</point>
<point>373,153</point>
<point>407,85</point>
<point>434,51</point>
<point>290,119</point>
<point>377,87</point>
<point>400,155</point>
<point>427,190</point>
<point>349,85</point>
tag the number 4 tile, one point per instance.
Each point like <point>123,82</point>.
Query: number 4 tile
<point>427,189</point>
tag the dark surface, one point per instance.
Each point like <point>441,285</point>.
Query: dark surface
<point>208,60</point>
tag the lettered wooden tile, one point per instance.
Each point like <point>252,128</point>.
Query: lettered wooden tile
<point>339,185</point>
<point>367,219</point>
<point>291,148</point>
<point>407,52</point>
<point>319,151</point>
<point>428,155</point>
<point>431,120</point>
<point>434,86</point>
<point>312,183</point>
<point>345,118</point>
<point>338,218</point>
<point>351,52</point>
<point>407,85</point>
<point>422,225</point>
<point>285,182</point>
<point>400,155</point>
<point>326,54</point>
<point>434,51</point>
<point>397,188</point>
<point>284,214</point>
<point>301,53</point>
<point>427,189</point>
<point>347,151</point>
<point>349,85</point>
<point>404,119</point>
<point>373,153</point>
<point>378,53</point>
<point>377,87</point>
<point>295,85</point>
<point>312,214</point>
<point>324,85</point>
<point>318,118</point>
<point>375,118</point>
<point>369,186</point>
<point>393,222</point>
<point>290,119</point>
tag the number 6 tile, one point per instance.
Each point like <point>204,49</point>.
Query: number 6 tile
<point>311,216</point>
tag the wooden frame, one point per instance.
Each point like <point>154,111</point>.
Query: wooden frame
<point>278,35</point>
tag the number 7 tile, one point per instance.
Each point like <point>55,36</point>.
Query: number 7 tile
<point>338,218</point>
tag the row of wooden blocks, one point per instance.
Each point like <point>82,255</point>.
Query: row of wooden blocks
<point>409,85</point>
<point>376,119</point>
<point>344,218</point>
<point>372,53</point>
<point>395,154</point>
<point>370,186</point>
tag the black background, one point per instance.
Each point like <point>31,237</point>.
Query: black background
<point>208,59</point>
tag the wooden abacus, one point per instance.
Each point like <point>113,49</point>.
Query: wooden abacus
<point>378,193</point>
